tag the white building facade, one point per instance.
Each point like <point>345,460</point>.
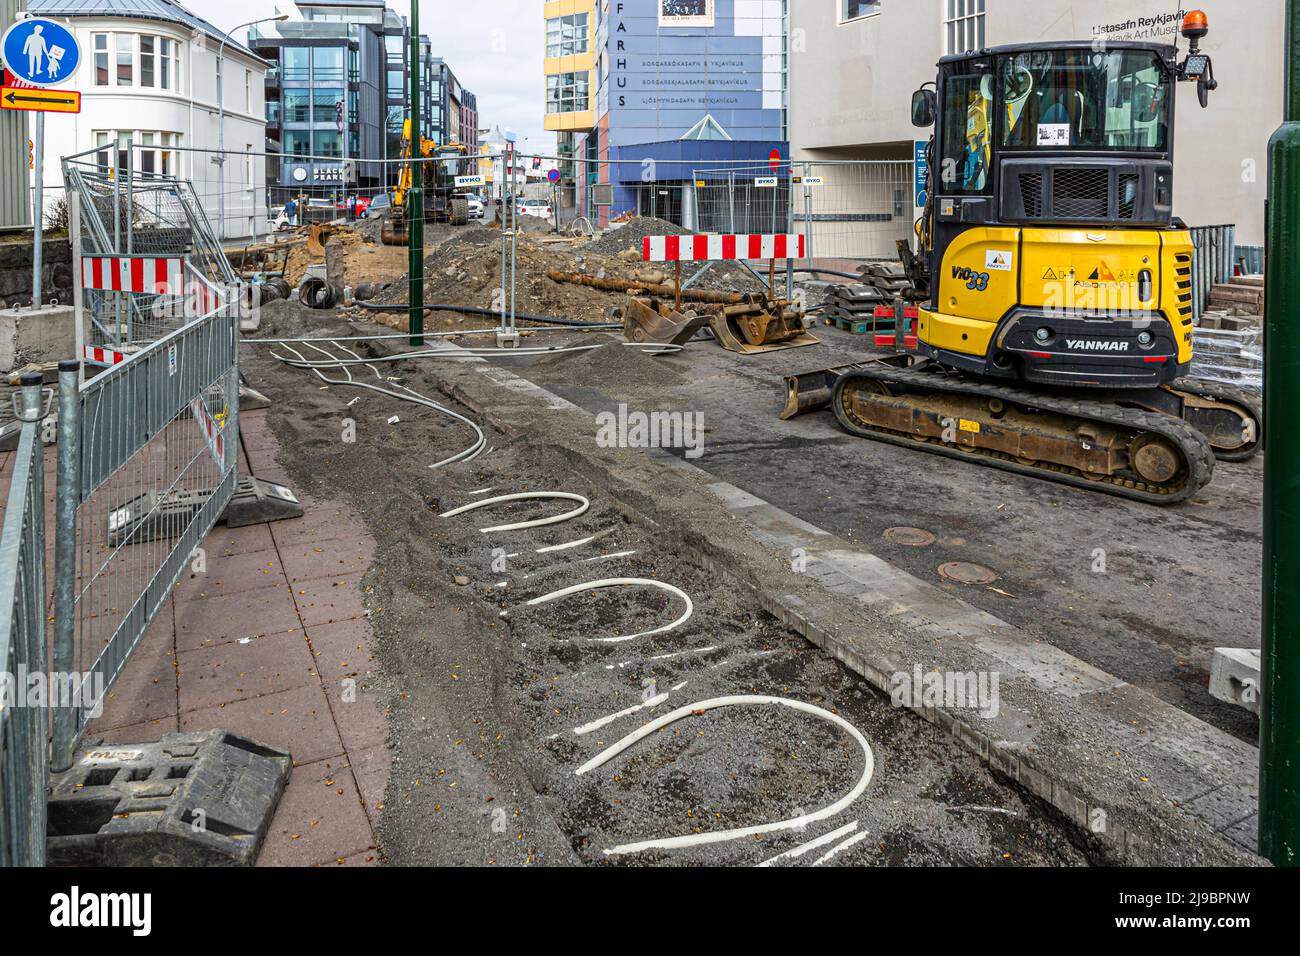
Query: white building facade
<point>855,63</point>
<point>149,76</point>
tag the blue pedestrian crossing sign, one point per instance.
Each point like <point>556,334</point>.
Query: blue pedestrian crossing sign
<point>40,52</point>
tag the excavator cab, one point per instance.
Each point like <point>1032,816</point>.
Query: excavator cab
<point>1048,250</point>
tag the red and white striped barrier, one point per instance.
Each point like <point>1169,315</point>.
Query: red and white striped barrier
<point>211,431</point>
<point>721,248</point>
<point>201,296</point>
<point>101,356</point>
<point>142,274</point>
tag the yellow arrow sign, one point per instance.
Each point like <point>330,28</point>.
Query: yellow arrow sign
<point>40,100</point>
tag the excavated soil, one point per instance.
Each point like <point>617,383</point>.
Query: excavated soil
<point>486,711</point>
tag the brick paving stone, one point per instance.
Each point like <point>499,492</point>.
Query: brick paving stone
<point>319,820</point>
<point>327,600</point>
<point>238,670</point>
<point>216,620</point>
<point>297,720</point>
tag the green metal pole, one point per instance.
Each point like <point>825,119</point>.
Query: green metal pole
<point>1279,719</point>
<point>415,195</point>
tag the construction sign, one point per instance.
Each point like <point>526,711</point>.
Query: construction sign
<point>40,100</point>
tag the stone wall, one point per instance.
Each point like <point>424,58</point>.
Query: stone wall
<point>16,271</point>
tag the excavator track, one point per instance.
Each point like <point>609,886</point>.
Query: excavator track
<point>1099,446</point>
<point>1231,418</point>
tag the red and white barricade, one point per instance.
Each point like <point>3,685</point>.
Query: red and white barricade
<point>172,278</point>
<point>721,248</point>
<point>140,274</point>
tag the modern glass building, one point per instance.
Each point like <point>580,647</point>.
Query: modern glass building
<point>663,86</point>
<point>337,95</point>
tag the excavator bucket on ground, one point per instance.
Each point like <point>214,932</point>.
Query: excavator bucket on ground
<point>393,231</point>
<point>653,320</point>
<point>760,324</point>
<point>317,236</point>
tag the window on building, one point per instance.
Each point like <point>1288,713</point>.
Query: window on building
<point>125,59</point>
<point>964,25</point>
<point>148,60</point>
<point>329,144</point>
<point>857,9</point>
<point>327,64</point>
<point>169,66</point>
<point>568,93</point>
<point>297,142</point>
<point>101,150</point>
<point>567,36</point>
<point>297,63</point>
<point>153,151</point>
<point>325,105</point>
<point>297,106</point>
<point>144,60</point>
<point>101,59</point>
<point>248,91</point>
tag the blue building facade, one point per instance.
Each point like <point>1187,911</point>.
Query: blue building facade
<point>680,83</point>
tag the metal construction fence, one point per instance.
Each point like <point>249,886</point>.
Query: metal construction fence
<point>131,234</point>
<point>24,723</point>
<point>1213,262</point>
<point>849,209</point>
<point>147,463</point>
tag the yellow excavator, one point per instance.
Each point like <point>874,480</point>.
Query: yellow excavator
<point>1053,284</point>
<point>443,200</point>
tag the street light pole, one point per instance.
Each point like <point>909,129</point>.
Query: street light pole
<point>221,114</point>
<point>1279,718</point>
<point>415,195</point>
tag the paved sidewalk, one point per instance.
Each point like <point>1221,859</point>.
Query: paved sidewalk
<point>266,636</point>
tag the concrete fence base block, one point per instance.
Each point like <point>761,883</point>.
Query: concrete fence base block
<point>47,334</point>
<point>200,799</point>
<point>1234,677</point>
<point>257,501</point>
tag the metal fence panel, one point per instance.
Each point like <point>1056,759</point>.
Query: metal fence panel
<point>24,726</point>
<point>1212,263</point>
<point>157,466</point>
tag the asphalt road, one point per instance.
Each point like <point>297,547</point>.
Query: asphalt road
<point>1143,592</point>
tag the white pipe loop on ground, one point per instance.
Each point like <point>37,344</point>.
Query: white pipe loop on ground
<point>618,583</point>
<point>583,505</point>
<point>719,836</point>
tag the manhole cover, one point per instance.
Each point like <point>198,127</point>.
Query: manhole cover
<point>912,537</point>
<point>965,573</point>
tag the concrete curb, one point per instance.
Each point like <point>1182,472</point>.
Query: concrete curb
<point>1143,781</point>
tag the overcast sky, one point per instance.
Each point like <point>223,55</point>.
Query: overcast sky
<point>495,48</point>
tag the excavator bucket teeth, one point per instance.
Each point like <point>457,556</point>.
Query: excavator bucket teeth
<point>649,320</point>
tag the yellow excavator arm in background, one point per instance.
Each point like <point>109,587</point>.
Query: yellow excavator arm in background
<point>427,148</point>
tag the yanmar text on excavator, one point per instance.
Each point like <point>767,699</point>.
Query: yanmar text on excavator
<point>1054,284</point>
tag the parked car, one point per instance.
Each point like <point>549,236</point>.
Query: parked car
<point>357,205</point>
<point>277,220</point>
<point>535,207</point>
<point>378,205</point>
<point>476,208</point>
